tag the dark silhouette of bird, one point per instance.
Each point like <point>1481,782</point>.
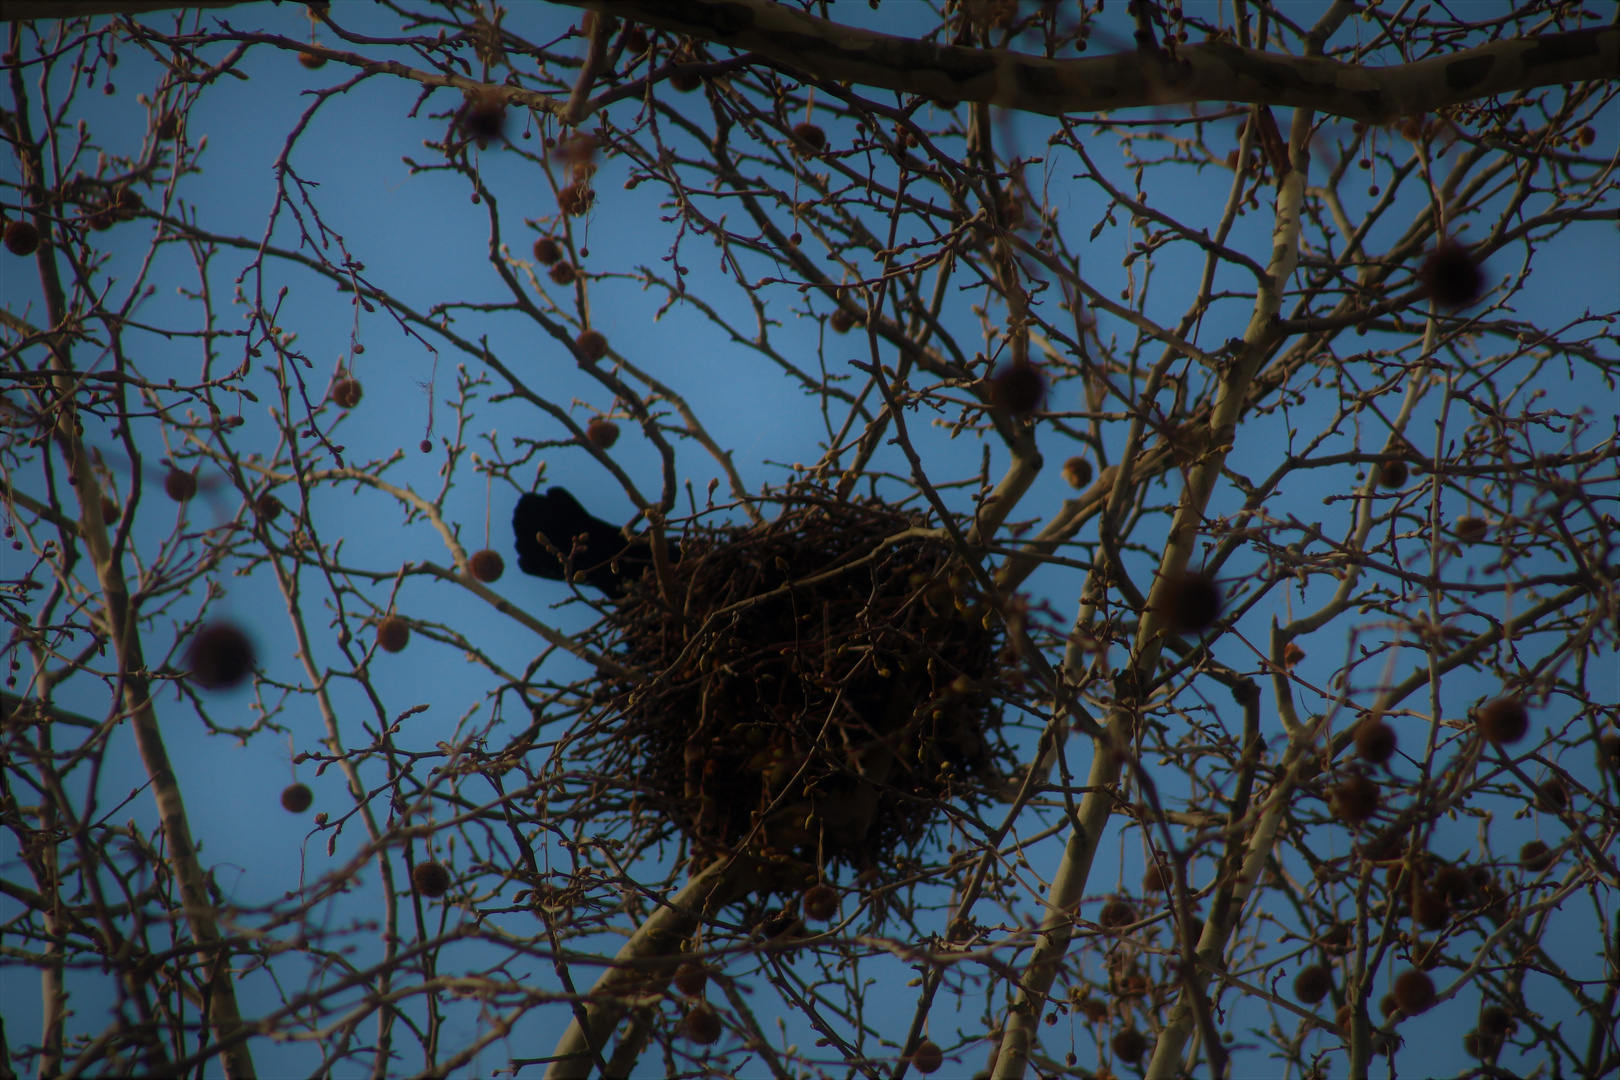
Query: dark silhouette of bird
<point>593,550</point>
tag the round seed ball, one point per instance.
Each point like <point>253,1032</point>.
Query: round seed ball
<point>487,565</point>
<point>1312,984</point>
<point>702,1025</point>
<point>1392,474</point>
<point>431,878</point>
<point>393,634</point>
<point>1154,879</point>
<point>1077,472</point>
<point>110,511</point>
<point>1192,603</point>
<point>311,60</point>
<point>346,393</point>
<point>820,903</point>
<point>180,485</point>
<point>592,344</point>
<point>927,1057</point>
<point>841,320</point>
<point>296,798</point>
<point>267,506</point>
<point>1495,1021</point>
<point>221,656</point>
<point>1355,799</point>
<point>1535,856</point>
<point>1503,720</point>
<point>602,433</point>
<point>22,237</point>
<point>1430,909</point>
<point>1129,1045</point>
<point>1375,741</point>
<point>1116,913</point>
<point>691,978</point>
<point>575,199</point>
<point>563,273</point>
<point>1452,884</point>
<point>547,251</point>
<point>1018,388</point>
<point>1452,275</point>
<point>1470,529</point>
<point>1387,1005</point>
<point>1414,992</point>
<point>809,139</point>
<point>1551,795</point>
<point>1608,751</point>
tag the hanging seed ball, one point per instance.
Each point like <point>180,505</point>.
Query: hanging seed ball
<point>267,506</point>
<point>1387,1005</point>
<point>485,118</point>
<point>346,393</point>
<point>487,565</point>
<point>1495,1021</point>
<point>1452,275</point>
<point>1129,1045</point>
<point>808,139</point>
<point>1453,884</point>
<point>431,878</point>
<point>296,798</point>
<point>180,485</point>
<point>1312,984</point>
<point>691,978</point>
<point>1503,720</point>
<point>1018,388</point>
<point>1154,879</point>
<point>563,273</point>
<point>1608,751</point>
<point>1470,529</point>
<point>220,656</point>
<point>1116,913</point>
<point>393,634</point>
<point>110,511</point>
<point>547,251</point>
<point>1535,856</point>
<point>592,345</point>
<point>927,1057</point>
<point>1344,1016</point>
<point>820,903</point>
<point>1375,741</point>
<point>1429,909</point>
<point>1077,472</point>
<point>22,237</point>
<point>602,433</point>
<point>841,320</point>
<point>685,83</point>
<point>575,199</point>
<point>426,446</point>
<point>1355,799</point>
<point>1392,474</point>
<point>311,60</point>
<point>1192,603</point>
<point>1551,796</point>
<point>702,1025</point>
<point>1414,992</point>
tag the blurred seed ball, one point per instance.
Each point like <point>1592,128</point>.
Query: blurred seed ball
<point>22,238</point>
<point>1129,1045</point>
<point>1355,799</point>
<point>1452,275</point>
<point>345,393</point>
<point>487,565</point>
<point>180,485</point>
<point>221,656</point>
<point>547,251</point>
<point>1018,387</point>
<point>635,40</point>
<point>1344,1016</point>
<point>393,634</point>
<point>1077,472</point>
<point>575,199</point>
<point>267,506</point>
<point>602,433</point>
<point>484,117</point>
<point>1470,529</point>
<point>1292,654</point>
<point>702,1025</point>
<point>1375,741</point>
<point>1495,1021</point>
<point>927,1057</point>
<point>296,798</point>
<point>426,446</point>
<point>1192,602</point>
<point>1154,879</point>
<point>691,978</point>
<point>1414,992</point>
<point>110,511</point>
<point>820,903</point>
<point>1587,135</point>
<point>1453,884</point>
<point>685,83</point>
<point>1312,984</point>
<point>1535,856</point>
<point>311,60</point>
<point>1429,909</point>
<point>1474,1045</point>
<point>563,273</point>
<point>1503,720</point>
<point>431,878</point>
<point>1392,474</point>
<point>1336,938</point>
<point>168,126</point>
<point>808,139</point>
<point>1608,751</point>
<point>1551,796</point>
<point>1246,692</point>
<point>1387,1005</point>
<point>592,344</point>
<point>1116,913</point>
<point>842,320</point>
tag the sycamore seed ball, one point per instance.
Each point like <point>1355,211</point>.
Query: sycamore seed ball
<point>487,565</point>
<point>22,238</point>
<point>1077,472</point>
<point>1414,992</point>
<point>393,634</point>
<point>1503,720</point>
<point>691,978</point>
<point>1375,741</point>
<point>927,1057</point>
<point>547,251</point>
<point>1129,1045</point>
<point>820,903</point>
<point>221,656</point>
<point>180,485</point>
<point>431,878</point>
<point>346,393</point>
<point>1312,984</point>
<point>592,345</point>
<point>702,1025</point>
<point>602,433</point>
<point>296,798</point>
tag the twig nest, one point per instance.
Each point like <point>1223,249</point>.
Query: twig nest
<point>826,685</point>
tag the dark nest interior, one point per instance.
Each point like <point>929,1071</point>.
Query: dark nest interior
<point>827,683</point>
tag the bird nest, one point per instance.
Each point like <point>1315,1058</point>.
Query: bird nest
<point>827,683</point>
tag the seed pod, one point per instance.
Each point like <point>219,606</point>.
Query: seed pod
<point>1429,909</point>
<point>1116,913</point>
<point>1551,796</point>
<point>1312,984</point>
<point>1453,885</point>
<point>547,251</point>
<point>563,273</point>
<point>1154,880</point>
<point>1470,529</point>
<point>1192,603</point>
<point>1503,720</point>
<point>842,320</point>
<point>691,978</point>
<point>1355,799</point>
<point>267,506</point>
<point>110,511</point>
<point>1608,751</point>
<point>1343,1017</point>
<point>1536,856</point>
<point>296,798</point>
<point>345,393</point>
<point>820,903</point>
<point>602,433</point>
<point>1129,1045</point>
<point>575,199</point>
<point>1392,474</point>
<point>1414,992</point>
<point>179,485</point>
<point>310,60</point>
<point>1387,1005</point>
<point>592,345</point>
<point>927,1057</point>
<point>1375,741</point>
<point>1496,1021</point>
<point>808,139</point>
<point>487,565</point>
<point>702,1025</point>
<point>22,237</point>
<point>221,656</point>
<point>1018,387</point>
<point>431,878</point>
<point>484,117</point>
<point>393,634</point>
<point>1452,275</point>
<point>1077,472</point>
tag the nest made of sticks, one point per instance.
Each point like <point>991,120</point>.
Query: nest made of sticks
<point>826,685</point>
